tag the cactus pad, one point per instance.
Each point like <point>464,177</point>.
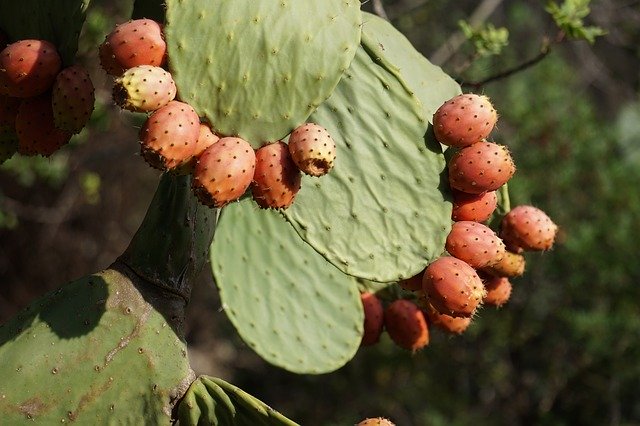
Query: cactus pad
<point>287,302</point>
<point>381,213</point>
<point>391,49</point>
<point>58,21</point>
<point>213,401</point>
<point>95,351</point>
<point>258,68</point>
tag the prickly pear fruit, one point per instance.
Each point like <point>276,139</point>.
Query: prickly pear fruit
<point>312,149</point>
<point>36,129</point>
<point>206,138</point>
<point>447,323</point>
<point>528,228</point>
<point>406,325</point>
<point>412,284</point>
<point>224,171</point>
<point>144,88</point>
<point>481,167</point>
<point>137,42</point>
<point>464,120</point>
<point>475,244</point>
<point>475,207</point>
<point>277,179</point>
<point>453,287</point>
<point>373,318</point>
<point>376,421</point>
<point>511,265</point>
<point>28,68</point>
<point>168,137</point>
<point>498,290</point>
<point>73,98</point>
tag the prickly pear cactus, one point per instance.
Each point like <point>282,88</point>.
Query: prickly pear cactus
<point>381,214</point>
<point>258,68</point>
<point>287,302</point>
<point>97,351</point>
<point>213,401</point>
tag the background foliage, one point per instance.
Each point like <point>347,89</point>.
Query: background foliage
<point>564,350</point>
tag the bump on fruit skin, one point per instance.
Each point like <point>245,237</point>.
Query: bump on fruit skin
<point>511,265</point>
<point>133,43</point>
<point>414,283</point>
<point>446,323</point>
<point>277,179</point>
<point>474,207</point>
<point>37,133</point>
<point>406,325</point>
<point>373,318</point>
<point>168,137</point>
<point>144,88</point>
<point>224,171</point>
<point>481,167</point>
<point>464,120</point>
<point>528,228</point>
<point>73,98</point>
<point>312,149</point>
<point>376,421</point>
<point>453,287</point>
<point>475,244</point>
<point>498,290</point>
<point>28,68</point>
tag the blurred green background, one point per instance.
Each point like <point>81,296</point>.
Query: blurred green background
<point>564,351</point>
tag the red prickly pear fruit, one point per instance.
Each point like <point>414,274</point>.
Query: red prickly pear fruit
<point>414,283</point>
<point>224,171</point>
<point>406,325</point>
<point>73,98</point>
<point>528,228</point>
<point>168,137</point>
<point>376,421</point>
<point>312,149</point>
<point>36,129</point>
<point>373,318</point>
<point>482,167</point>
<point>28,68</point>
<point>464,120</point>
<point>447,323</point>
<point>498,291</point>
<point>144,88</point>
<point>474,207</point>
<point>475,244</point>
<point>453,287</point>
<point>206,138</point>
<point>137,42</point>
<point>511,265</point>
<point>277,179</point>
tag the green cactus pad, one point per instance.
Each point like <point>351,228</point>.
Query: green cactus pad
<point>391,49</point>
<point>57,21</point>
<point>213,401</point>
<point>94,352</point>
<point>258,68</point>
<point>289,304</point>
<point>382,213</point>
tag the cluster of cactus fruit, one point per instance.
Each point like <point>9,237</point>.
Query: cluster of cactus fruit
<point>477,262</point>
<point>42,104</point>
<point>216,135</point>
<point>174,139</point>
